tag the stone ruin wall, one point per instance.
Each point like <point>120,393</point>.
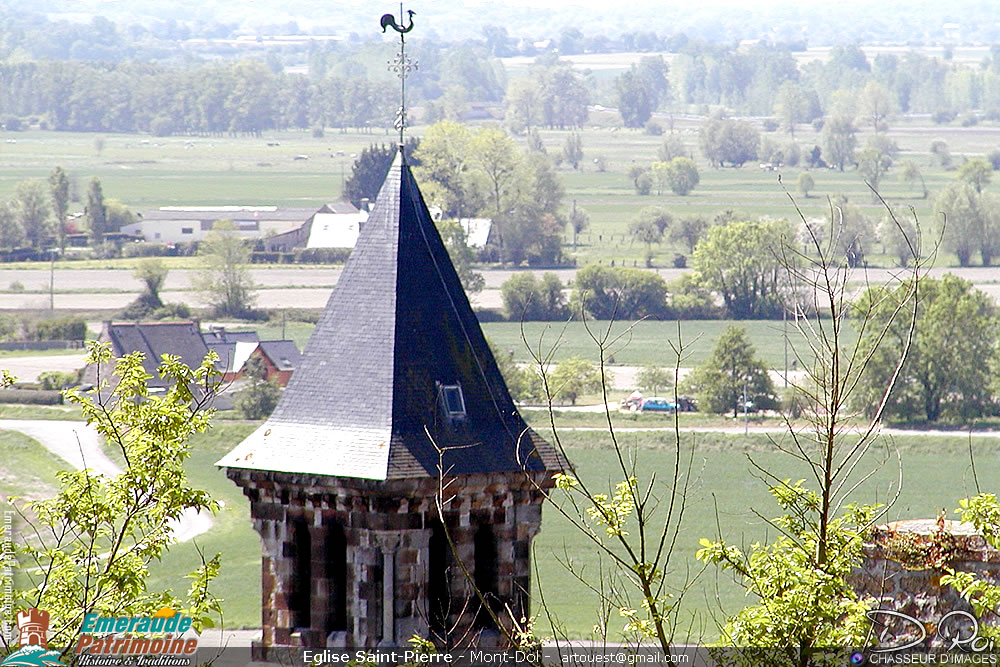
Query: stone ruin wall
<point>902,570</point>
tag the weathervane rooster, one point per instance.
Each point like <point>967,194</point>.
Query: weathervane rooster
<point>389,21</point>
<point>401,65</point>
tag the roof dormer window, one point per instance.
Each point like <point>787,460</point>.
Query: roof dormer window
<point>452,401</point>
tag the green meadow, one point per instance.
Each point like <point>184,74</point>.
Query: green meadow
<point>723,488</point>
<point>297,169</point>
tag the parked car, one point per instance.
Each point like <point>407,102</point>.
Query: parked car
<point>657,404</point>
<point>686,404</point>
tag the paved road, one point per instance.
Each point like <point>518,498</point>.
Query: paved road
<point>27,369</point>
<point>309,287</point>
<point>80,446</point>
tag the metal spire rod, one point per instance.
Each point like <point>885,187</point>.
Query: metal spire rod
<point>402,65</point>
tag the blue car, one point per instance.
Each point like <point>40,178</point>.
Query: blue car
<point>656,404</point>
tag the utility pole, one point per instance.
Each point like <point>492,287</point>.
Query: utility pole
<point>746,415</point>
<point>52,281</point>
<point>784,329</point>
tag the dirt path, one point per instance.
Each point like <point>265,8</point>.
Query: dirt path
<point>80,446</point>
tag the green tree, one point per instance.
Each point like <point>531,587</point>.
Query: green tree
<point>648,228</point>
<point>59,192</point>
<point>523,103</point>
<point>798,582</point>
<point>910,174</point>
<point>851,232</point>
<point>573,150</point>
<point>152,273</point>
<point>790,105</point>
<point>653,378</point>
<point>689,230</point>
<point>839,138</point>
<point>940,153</point>
<point>462,256</point>
<point>524,384</point>
<point>874,161</point>
<point>609,293</point>
<point>977,173</point>
<point>731,375</point>
<point>958,211</point>
<point>445,170</point>
<point>682,175</point>
<point>11,233</point>
<point>726,140</point>
<point>645,231</point>
<point>224,278</point>
<point>574,377</point>
<point>496,157</point>
<point>947,371</point>
<point>741,262</point>
<point>369,170</point>
<point>673,146</point>
<point>105,533</point>
<point>528,298</point>
<point>32,211</point>
<point>259,398</point>
<point>96,212</point>
<point>875,105</point>
<point>635,99</point>
<point>579,220</point>
<point>898,235</point>
<point>117,215</point>
<point>806,183</point>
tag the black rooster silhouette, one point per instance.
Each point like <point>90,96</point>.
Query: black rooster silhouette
<point>390,20</point>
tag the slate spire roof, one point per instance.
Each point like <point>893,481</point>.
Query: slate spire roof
<point>397,358</point>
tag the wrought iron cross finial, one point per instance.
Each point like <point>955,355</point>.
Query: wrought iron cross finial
<point>402,65</point>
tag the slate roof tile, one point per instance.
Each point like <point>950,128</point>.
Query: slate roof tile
<point>368,397</point>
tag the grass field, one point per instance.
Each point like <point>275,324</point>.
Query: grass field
<point>26,468</point>
<point>146,173</point>
<point>936,474</point>
<point>646,342</point>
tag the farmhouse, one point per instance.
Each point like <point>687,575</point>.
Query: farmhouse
<point>186,340</point>
<point>395,436</point>
<point>182,224</point>
<point>334,225</point>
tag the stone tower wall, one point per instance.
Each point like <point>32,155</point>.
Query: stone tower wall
<point>386,527</point>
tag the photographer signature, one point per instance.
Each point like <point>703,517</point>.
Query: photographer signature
<point>959,628</point>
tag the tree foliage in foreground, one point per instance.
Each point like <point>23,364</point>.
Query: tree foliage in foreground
<point>89,548</point>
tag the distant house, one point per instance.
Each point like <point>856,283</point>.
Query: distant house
<point>233,348</point>
<point>236,348</point>
<point>186,340</point>
<point>180,224</point>
<point>280,357</point>
<point>335,225</point>
<point>153,340</point>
